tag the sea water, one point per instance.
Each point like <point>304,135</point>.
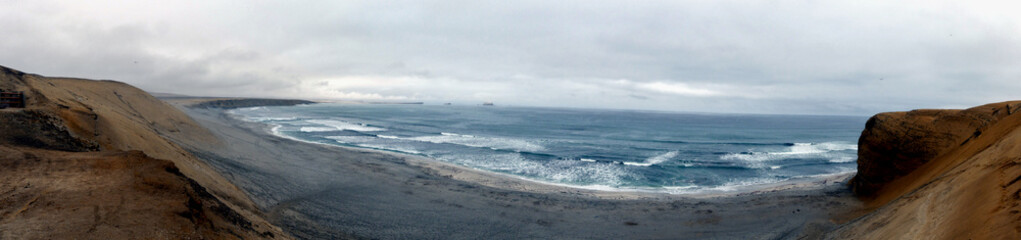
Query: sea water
<point>600,149</point>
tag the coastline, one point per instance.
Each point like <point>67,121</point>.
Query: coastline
<point>486,203</point>
<point>510,181</point>
<point>102,159</point>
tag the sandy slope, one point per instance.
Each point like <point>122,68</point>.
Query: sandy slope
<point>112,117</point>
<point>111,195</point>
<point>965,185</point>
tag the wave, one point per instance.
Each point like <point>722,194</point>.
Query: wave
<point>707,143</point>
<point>455,134</point>
<point>368,141</point>
<point>730,186</point>
<point>494,143</point>
<point>830,150</point>
<point>554,171</point>
<point>270,119</point>
<point>387,136</point>
<point>655,160</point>
<point>845,159</point>
<point>334,125</point>
<point>317,129</point>
<point>252,108</point>
<point>808,148</point>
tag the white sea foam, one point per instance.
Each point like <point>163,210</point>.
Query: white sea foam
<point>495,143</point>
<point>822,150</point>
<point>845,159</point>
<point>251,108</point>
<point>318,129</point>
<point>276,130</point>
<point>339,126</point>
<point>387,136</point>
<point>737,185</point>
<point>456,135</point>
<point>555,171</point>
<point>267,119</point>
<point>655,160</point>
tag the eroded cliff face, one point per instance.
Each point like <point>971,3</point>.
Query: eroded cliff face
<point>94,124</point>
<point>940,174</point>
<point>895,144</point>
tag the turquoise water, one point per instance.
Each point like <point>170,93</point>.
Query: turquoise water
<point>602,149</point>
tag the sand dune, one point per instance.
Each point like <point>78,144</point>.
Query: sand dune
<point>112,118</point>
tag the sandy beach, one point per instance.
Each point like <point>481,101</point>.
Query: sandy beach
<point>315,192</point>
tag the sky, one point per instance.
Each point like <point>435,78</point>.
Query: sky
<point>787,57</point>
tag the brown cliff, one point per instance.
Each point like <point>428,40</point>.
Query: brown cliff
<point>91,159</point>
<point>894,144</point>
<point>940,174</point>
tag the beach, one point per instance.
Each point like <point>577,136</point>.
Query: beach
<point>315,191</point>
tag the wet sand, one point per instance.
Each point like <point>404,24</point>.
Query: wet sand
<point>315,191</point>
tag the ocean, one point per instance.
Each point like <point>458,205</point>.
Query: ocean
<point>594,149</point>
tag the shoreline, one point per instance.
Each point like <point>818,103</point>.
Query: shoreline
<point>512,182</point>
<point>317,191</point>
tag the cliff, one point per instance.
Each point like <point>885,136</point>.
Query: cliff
<point>91,159</point>
<point>940,174</point>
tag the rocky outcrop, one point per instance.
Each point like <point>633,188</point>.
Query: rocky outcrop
<point>894,144</point>
<point>39,129</point>
<point>939,174</point>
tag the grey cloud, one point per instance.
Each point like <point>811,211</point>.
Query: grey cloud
<point>854,57</point>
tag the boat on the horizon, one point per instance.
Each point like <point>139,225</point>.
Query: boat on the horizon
<point>487,104</point>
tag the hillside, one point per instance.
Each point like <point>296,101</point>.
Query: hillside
<point>940,174</point>
<point>97,152</point>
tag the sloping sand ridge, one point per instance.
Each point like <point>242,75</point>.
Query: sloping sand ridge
<point>940,174</point>
<point>115,176</point>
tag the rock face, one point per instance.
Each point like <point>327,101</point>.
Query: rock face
<point>39,129</point>
<point>939,174</point>
<point>894,144</point>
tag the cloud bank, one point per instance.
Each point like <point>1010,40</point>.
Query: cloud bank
<point>803,57</point>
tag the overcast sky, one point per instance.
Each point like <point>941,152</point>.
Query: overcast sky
<point>802,57</point>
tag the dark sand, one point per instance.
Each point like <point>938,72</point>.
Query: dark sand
<point>324,192</point>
